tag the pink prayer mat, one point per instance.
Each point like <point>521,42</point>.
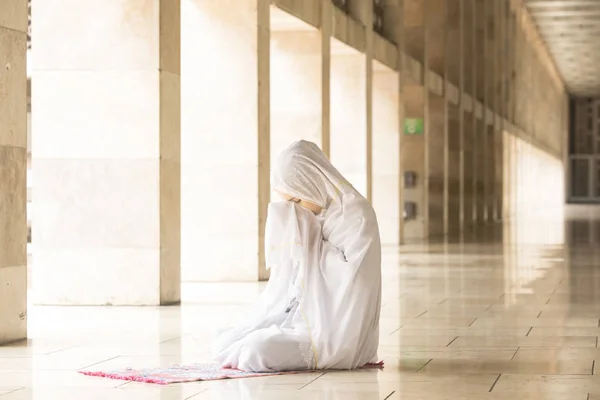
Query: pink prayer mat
<point>189,373</point>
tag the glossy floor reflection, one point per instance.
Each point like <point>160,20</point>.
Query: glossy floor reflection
<point>513,317</point>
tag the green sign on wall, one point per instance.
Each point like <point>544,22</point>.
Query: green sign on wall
<point>413,126</point>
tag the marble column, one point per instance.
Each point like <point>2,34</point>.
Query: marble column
<point>436,134</point>
<point>348,138</point>
<point>296,111</point>
<point>13,169</point>
<point>437,117</point>
<point>455,145</point>
<point>469,172</point>
<point>480,137</point>
<point>386,155</point>
<point>508,176</point>
<point>225,139</point>
<point>296,91</point>
<point>491,101</point>
<point>413,148</point>
<point>325,31</point>
<point>454,189</point>
<point>470,119</point>
<point>106,152</point>
<point>362,11</point>
<point>499,94</point>
<point>392,28</point>
<point>480,171</point>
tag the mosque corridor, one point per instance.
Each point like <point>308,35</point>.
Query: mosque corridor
<point>137,139</point>
<point>514,315</point>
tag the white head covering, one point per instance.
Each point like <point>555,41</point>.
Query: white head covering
<point>304,172</point>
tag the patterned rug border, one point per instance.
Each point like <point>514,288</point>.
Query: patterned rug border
<point>148,379</point>
<point>136,378</point>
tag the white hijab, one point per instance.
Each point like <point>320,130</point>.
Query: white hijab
<point>303,171</point>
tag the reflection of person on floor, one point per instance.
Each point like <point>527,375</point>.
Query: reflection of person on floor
<point>320,309</point>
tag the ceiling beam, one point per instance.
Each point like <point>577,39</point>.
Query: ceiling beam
<point>560,4</point>
<point>580,24</point>
<point>548,31</point>
<point>566,15</point>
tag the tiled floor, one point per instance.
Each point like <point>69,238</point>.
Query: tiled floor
<point>518,321</point>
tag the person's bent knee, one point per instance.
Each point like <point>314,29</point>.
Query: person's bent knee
<point>252,359</point>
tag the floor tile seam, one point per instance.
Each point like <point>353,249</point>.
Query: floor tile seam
<point>424,365</point>
<point>494,384</point>
<point>64,349</point>
<point>390,395</point>
<point>397,330</point>
<point>197,394</point>
<point>172,339</point>
<point>99,362</point>
<point>314,380</point>
<point>514,355</point>
<point>13,391</point>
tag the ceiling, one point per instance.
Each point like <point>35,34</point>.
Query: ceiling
<point>571,30</point>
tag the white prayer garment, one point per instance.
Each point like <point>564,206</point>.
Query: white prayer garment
<point>321,306</point>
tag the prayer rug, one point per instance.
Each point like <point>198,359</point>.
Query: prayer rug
<point>189,373</point>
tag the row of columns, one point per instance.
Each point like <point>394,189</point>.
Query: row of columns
<point>458,159</point>
<point>152,148</point>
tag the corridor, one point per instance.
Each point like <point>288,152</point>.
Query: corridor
<point>137,143</point>
<point>514,315</point>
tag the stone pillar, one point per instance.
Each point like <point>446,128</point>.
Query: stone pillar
<point>386,155</point>
<point>454,184</point>
<point>470,119</point>
<point>393,29</point>
<point>508,141</point>
<point>511,65</point>
<point>512,112</point>
<point>295,87</point>
<point>436,125</point>
<point>348,139</point>
<point>362,11</point>
<point>480,170</point>
<point>455,145</point>
<point>469,172</point>
<point>13,169</point>
<point>106,152</point>
<point>500,57</point>
<point>436,121</point>
<point>413,149</point>
<point>508,177</point>
<point>326,28</point>
<point>225,139</point>
<point>491,102</point>
<point>480,142</point>
<point>351,103</point>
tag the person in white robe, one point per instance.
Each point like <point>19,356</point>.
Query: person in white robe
<point>321,306</point>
